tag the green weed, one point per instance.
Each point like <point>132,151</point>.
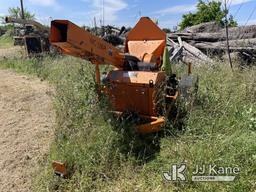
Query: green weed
<point>220,129</point>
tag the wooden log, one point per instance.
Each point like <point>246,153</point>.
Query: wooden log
<point>188,52</point>
<point>171,43</point>
<point>176,53</point>
<point>38,25</point>
<point>211,37</point>
<point>196,52</point>
<point>204,27</point>
<point>180,41</point>
<point>239,45</point>
<point>247,32</point>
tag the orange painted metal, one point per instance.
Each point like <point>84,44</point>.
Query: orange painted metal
<point>147,30</point>
<point>154,125</point>
<point>134,90</point>
<point>59,168</point>
<point>146,38</point>
<point>75,41</point>
<point>142,48</point>
<point>149,58</point>
<point>127,90</point>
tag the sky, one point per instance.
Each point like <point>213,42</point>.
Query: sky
<point>124,12</point>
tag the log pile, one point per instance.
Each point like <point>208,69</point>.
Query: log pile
<point>204,28</point>
<point>241,39</point>
<point>182,51</point>
<point>194,43</point>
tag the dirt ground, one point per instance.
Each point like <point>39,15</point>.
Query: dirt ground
<point>26,129</point>
<point>11,52</point>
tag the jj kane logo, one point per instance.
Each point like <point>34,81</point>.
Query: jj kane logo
<point>202,173</point>
<point>176,173</point>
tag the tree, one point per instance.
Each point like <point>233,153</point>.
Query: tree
<point>232,22</point>
<point>16,13</point>
<point>206,12</point>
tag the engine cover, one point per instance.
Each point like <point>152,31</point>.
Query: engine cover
<point>134,90</point>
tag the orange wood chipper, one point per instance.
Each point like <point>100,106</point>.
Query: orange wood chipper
<point>137,77</point>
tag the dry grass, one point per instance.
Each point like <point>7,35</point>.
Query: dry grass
<point>5,41</point>
<point>220,129</point>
